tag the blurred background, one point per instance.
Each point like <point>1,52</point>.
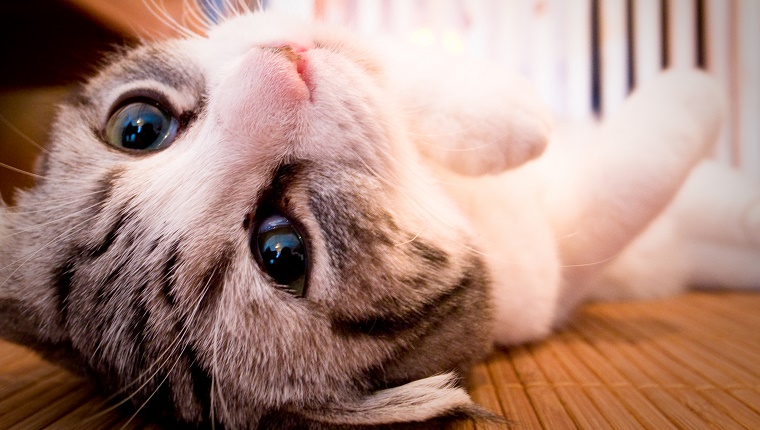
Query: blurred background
<point>583,55</point>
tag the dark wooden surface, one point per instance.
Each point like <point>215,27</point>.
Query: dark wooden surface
<point>689,362</point>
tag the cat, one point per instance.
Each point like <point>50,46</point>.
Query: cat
<point>278,225</point>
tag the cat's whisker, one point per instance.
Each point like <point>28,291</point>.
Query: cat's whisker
<point>179,356</point>
<point>406,242</point>
<point>590,264</point>
<point>248,7</point>
<point>234,8</point>
<point>170,21</point>
<point>25,259</point>
<point>21,171</point>
<point>161,361</point>
<point>216,15</point>
<point>37,176</point>
<point>158,387</point>
<point>227,10</point>
<point>192,14</point>
<point>68,201</point>
<point>216,390</point>
<point>23,136</point>
<point>159,11</point>
<point>37,226</point>
<point>400,187</point>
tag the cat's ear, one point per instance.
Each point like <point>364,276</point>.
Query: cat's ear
<point>469,116</point>
<point>416,402</point>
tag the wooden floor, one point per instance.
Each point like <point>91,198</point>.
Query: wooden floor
<point>690,362</point>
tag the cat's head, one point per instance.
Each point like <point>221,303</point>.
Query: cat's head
<point>237,229</point>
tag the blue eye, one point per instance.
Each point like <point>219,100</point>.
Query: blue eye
<point>280,252</point>
<point>141,126</point>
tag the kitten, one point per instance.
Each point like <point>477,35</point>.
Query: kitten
<point>278,226</point>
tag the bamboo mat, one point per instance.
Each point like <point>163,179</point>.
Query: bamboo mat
<point>689,362</point>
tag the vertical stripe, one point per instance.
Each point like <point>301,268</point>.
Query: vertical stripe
<point>721,62</point>
<point>682,34</point>
<point>545,52</point>
<point>63,278</point>
<point>614,55</point>
<point>369,15</point>
<point>577,81</point>
<point>749,85</point>
<point>647,43</point>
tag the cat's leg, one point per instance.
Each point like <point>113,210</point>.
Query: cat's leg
<point>470,117</point>
<point>717,218</point>
<point>517,245</point>
<point>608,193</point>
<point>708,237</point>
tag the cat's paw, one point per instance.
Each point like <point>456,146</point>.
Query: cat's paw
<point>471,117</point>
<point>752,223</point>
<point>499,129</point>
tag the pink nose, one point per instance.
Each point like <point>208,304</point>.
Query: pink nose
<point>294,55</point>
<point>292,51</point>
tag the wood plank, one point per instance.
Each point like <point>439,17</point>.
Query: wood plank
<point>654,365</point>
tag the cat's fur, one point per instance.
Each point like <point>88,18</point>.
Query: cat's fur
<point>431,233</point>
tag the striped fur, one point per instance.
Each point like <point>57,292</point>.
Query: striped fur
<point>135,268</point>
<point>428,234</point>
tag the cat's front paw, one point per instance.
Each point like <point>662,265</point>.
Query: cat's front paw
<point>498,139</point>
<point>472,117</point>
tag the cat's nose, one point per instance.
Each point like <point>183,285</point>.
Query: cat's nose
<point>293,52</point>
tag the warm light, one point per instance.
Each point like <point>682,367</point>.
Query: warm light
<point>423,37</point>
<point>452,42</point>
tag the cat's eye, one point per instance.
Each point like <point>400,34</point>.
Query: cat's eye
<point>280,252</point>
<point>141,125</point>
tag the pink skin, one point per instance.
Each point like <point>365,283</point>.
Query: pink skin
<point>296,53</point>
<point>267,89</point>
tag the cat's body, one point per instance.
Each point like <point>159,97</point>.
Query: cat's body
<point>428,232</point>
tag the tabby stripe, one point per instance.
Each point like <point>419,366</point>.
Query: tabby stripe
<point>63,278</point>
<point>201,383</point>
<point>213,279</point>
<point>435,258</point>
<point>139,321</point>
<point>169,273</point>
<point>111,236</point>
<point>396,324</point>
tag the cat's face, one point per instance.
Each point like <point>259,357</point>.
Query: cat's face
<point>237,228</point>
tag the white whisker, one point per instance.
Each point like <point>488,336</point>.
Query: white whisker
<point>406,242</point>
<point>160,362</point>
<point>179,356</point>
<point>21,171</point>
<point>22,135</point>
<point>23,260</point>
<point>37,226</point>
<point>171,369</point>
<point>194,15</point>
<point>158,10</point>
<point>79,181</point>
<point>69,201</point>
